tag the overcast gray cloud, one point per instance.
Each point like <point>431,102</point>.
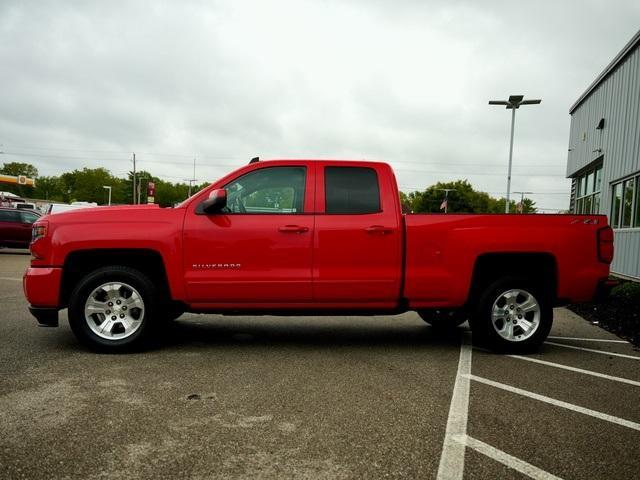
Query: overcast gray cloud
<point>85,83</point>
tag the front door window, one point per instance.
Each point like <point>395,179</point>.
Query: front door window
<point>275,190</point>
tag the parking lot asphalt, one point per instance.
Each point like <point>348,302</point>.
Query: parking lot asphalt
<point>312,397</point>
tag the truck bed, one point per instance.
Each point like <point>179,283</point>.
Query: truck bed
<point>442,250</point>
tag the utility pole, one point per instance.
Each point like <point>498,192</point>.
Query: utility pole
<point>190,180</point>
<point>133,201</point>
<point>446,197</point>
<point>512,104</point>
<point>522,194</point>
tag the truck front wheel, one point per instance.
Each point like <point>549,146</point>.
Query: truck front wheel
<point>111,309</point>
<point>513,315</point>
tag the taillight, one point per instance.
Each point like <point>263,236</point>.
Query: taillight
<point>605,245</point>
<point>38,230</point>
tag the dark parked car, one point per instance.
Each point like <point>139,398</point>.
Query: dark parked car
<point>15,227</point>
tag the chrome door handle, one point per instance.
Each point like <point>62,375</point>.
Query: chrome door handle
<point>379,229</point>
<point>293,229</point>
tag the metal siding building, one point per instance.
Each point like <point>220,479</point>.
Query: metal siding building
<point>604,154</point>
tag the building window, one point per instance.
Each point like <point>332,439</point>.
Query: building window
<point>625,203</point>
<point>616,203</point>
<point>589,185</point>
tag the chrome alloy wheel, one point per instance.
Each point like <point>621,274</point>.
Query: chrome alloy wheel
<point>515,315</point>
<point>114,310</point>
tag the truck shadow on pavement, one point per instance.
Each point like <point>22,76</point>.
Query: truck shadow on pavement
<point>380,332</point>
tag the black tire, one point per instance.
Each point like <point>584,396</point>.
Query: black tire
<point>485,332</point>
<point>116,273</point>
<point>443,319</point>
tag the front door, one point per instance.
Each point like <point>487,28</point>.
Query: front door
<point>258,250</point>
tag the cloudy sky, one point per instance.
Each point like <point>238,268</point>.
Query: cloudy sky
<point>84,84</point>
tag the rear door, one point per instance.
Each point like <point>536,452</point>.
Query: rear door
<point>358,236</point>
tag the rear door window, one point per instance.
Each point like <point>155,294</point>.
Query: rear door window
<point>351,190</point>
<point>28,217</point>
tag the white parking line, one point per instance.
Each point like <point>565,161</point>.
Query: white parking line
<point>506,459</point>
<point>558,403</point>
<point>601,352</point>
<point>452,458</point>
<point>587,339</point>
<point>11,278</point>
<point>578,370</point>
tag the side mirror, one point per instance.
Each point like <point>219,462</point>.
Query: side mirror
<point>217,201</point>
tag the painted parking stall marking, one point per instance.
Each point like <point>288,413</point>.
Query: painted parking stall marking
<point>580,339</point>
<point>593,350</point>
<point>558,403</point>
<point>452,459</point>
<point>575,369</point>
<point>456,440</point>
<point>504,458</point>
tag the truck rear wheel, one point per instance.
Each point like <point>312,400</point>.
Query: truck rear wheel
<point>513,315</point>
<point>111,309</point>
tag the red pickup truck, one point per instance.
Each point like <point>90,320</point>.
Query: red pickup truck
<point>311,236</point>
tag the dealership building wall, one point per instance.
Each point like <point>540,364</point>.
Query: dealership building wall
<point>604,154</point>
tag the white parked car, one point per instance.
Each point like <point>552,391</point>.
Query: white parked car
<point>64,207</point>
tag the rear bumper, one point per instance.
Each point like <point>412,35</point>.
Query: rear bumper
<point>42,286</point>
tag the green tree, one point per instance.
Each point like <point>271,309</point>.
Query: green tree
<point>48,188</point>
<point>18,168</point>
<point>462,199</point>
<point>86,185</point>
<point>167,193</point>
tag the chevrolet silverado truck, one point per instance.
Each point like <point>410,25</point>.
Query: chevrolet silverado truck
<point>311,237</point>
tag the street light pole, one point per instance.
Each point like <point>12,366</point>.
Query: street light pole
<point>513,103</point>
<point>507,204</point>
<point>108,187</point>
<point>133,201</point>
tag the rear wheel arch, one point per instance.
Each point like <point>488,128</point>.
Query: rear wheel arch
<point>538,269</point>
